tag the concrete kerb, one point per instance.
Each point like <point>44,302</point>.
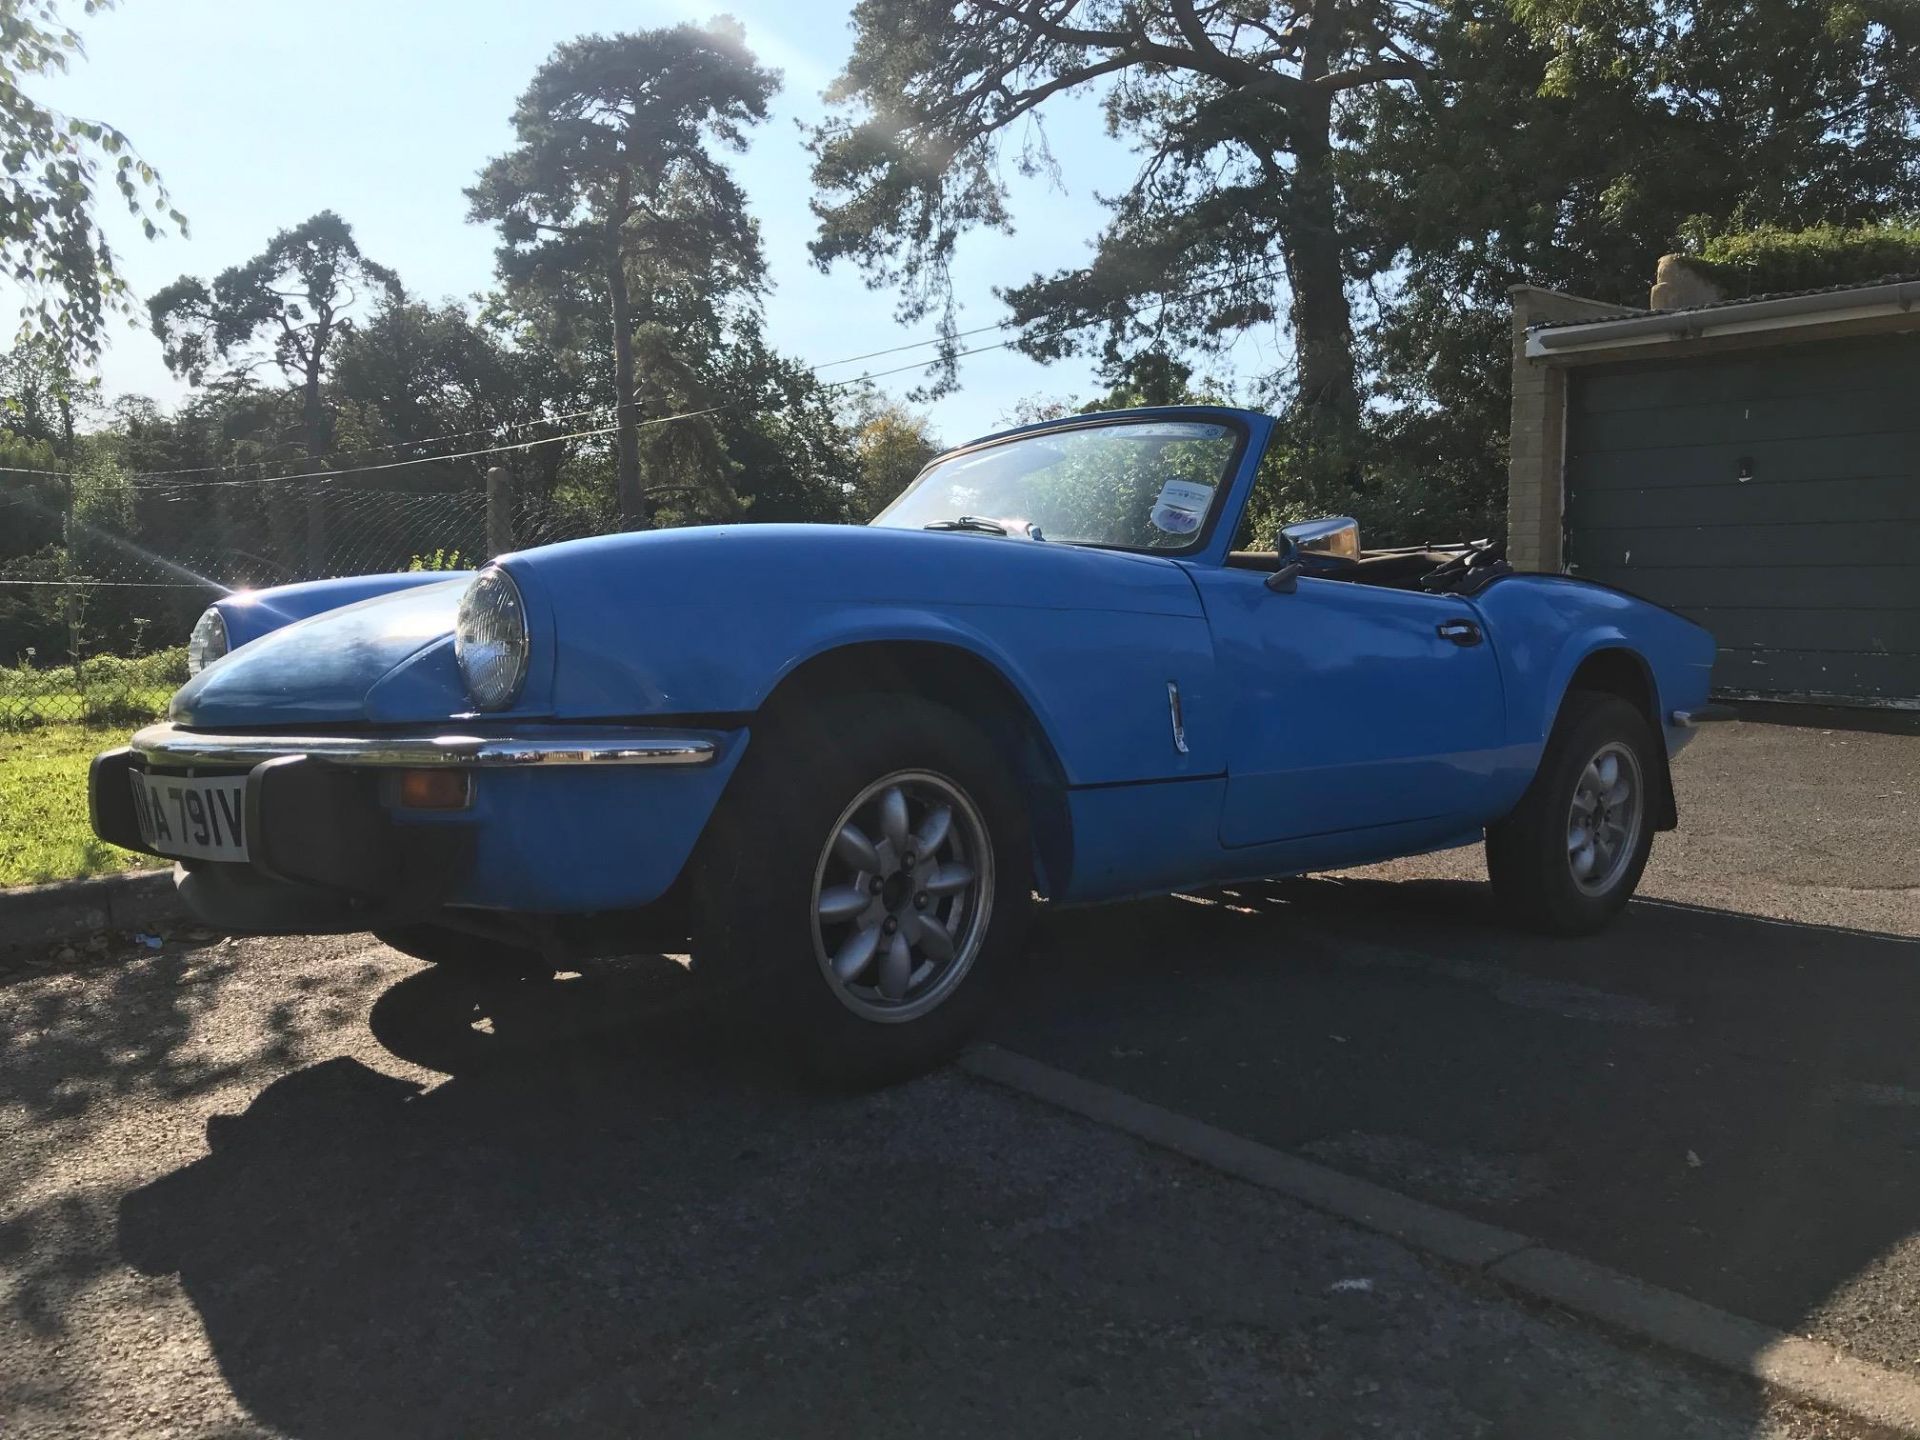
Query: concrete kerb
<point>1807,1368</point>
<point>39,914</point>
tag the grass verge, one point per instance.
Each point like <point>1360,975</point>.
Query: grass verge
<point>43,799</point>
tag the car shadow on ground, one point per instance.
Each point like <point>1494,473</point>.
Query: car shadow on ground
<point>370,1255</point>
<point>1723,1105</point>
<point>620,1204</point>
<point>620,1215</point>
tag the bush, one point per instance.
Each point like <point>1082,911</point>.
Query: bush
<point>439,560</point>
<point>108,690</point>
<point>1759,262</point>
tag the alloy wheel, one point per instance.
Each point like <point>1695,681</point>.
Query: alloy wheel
<point>1604,819</point>
<point>902,895</point>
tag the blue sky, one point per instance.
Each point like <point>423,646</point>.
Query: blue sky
<point>260,112</point>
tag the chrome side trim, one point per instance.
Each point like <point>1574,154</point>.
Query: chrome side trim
<point>1177,717</point>
<point>170,745</point>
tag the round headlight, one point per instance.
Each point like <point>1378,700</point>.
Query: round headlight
<point>490,640</point>
<point>207,643</point>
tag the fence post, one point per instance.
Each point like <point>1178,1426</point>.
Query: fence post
<point>316,531</point>
<point>499,511</point>
<point>70,593</point>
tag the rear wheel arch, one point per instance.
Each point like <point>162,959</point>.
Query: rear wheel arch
<point>970,685</point>
<point>1618,671</point>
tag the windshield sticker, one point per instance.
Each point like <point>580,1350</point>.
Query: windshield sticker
<point>1181,507</point>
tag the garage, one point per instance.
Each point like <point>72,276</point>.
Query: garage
<point>1754,465</point>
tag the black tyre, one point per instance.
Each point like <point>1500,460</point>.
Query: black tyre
<point>1567,859</point>
<point>868,878</point>
<point>461,953</point>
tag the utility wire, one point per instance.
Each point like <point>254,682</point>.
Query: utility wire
<point>1162,302</point>
<point>466,454</point>
<point>814,370</point>
<point>915,345</point>
<point>348,454</point>
<point>505,425</point>
<point>867,375</point>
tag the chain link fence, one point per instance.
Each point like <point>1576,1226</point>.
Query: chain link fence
<point>102,579</point>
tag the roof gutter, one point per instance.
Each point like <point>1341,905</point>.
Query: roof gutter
<point>1786,312</point>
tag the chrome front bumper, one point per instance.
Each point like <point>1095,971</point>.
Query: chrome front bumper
<point>169,745</point>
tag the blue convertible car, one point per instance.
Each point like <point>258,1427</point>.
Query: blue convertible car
<point>842,760</point>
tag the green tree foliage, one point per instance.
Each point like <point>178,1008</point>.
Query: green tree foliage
<point>614,199</point>
<point>31,504</point>
<point>40,395</point>
<point>51,242</point>
<point>891,445</point>
<point>37,401</point>
<point>413,372</point>
<point>295,299</point>
<point>60,532</point>
<point>1772,257</point>
<point>787,444</point>
<point>289,307</point>
<point>1576,143</point>
<point>1232,106</point>
<point>1401,165</point>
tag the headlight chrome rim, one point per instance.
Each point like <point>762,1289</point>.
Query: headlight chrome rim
<point>208,642</point>
<point>490,640</point>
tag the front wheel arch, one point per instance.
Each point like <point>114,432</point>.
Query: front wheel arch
<point>969,685</point>
<point>777,866</point>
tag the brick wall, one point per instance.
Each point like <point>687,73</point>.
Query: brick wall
<point>1536,436</point>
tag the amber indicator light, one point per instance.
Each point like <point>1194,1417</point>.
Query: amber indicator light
<point>436,789</point>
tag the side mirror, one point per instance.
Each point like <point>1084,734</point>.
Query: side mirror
<point>1285,580</point>
<point>1334,535</point>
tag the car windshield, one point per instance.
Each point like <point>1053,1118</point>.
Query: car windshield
<point>1143,485</point>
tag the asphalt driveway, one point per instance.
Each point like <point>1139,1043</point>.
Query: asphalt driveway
<point>1720,1094</point>
<point>309,1188</point>
<point>1818,824</point>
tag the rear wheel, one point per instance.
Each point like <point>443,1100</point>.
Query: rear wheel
<point>1567,859</point>
<point>868,875</point>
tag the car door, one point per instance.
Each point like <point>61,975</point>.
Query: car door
<point>1351,706</point>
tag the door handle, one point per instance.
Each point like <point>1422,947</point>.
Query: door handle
<point>1460,632</point>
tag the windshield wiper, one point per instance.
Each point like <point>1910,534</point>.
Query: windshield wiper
<point>968,522</point>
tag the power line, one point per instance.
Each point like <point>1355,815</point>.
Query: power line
<point>465,454</point>
<point>862,378</point>
<point>349,454</point>
<point>369,449</point>
<point>915,345</point>
<point>1009,344</point>
<point>508,425</point>
<point>867,375</point>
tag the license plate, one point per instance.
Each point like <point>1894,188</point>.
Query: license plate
<point>194,819</point>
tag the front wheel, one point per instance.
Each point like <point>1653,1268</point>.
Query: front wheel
<point>869,875</point>
<point>1567,859</point>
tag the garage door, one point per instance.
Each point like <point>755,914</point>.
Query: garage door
<point>1773,497</point>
